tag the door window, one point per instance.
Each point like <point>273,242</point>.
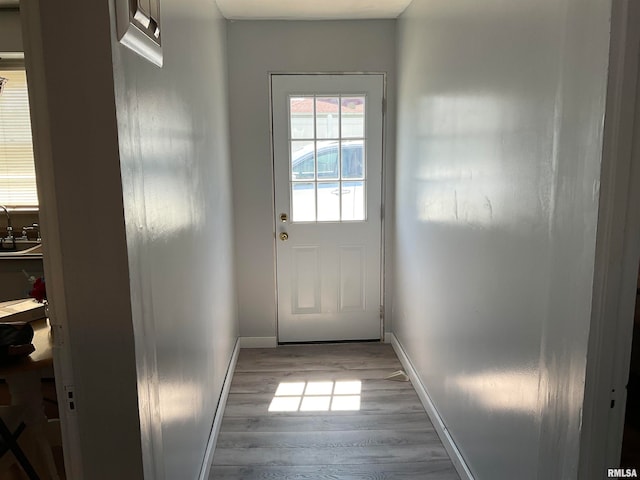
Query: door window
<point>326,137</point>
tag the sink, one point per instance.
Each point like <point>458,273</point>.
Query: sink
<point>21,244</point>
<point>24,249</point>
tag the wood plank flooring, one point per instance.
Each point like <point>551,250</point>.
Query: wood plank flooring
<point>388,436</point>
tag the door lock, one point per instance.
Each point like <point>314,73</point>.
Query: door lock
<point>283,217</point>
<point>284,236</point>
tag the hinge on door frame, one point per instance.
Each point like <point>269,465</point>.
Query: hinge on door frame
<point>381,311</point>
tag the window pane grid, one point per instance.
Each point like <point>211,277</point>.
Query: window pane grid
<point>341,395</point>
<point>328,157</point>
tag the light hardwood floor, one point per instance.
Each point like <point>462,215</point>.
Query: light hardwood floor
<point>388,437</point>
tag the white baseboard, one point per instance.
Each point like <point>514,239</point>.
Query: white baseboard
<point>258,342</point>
<point>217,419</point>
<point>456,457</point>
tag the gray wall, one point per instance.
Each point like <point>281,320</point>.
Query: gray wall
<point>174,156</point>
<point>499,146</point>
<point>79,187</point>
<point>13,282</point>
<point>139,220</point>
<point>10,34</point>
<point>255,49</point>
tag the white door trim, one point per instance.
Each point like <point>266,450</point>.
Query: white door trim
<point>617,252</point>
<point>383,191</point>
<point>48,217</point>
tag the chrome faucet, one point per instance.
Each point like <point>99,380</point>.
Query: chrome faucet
<point>27,232</point>
<point>9,237</point>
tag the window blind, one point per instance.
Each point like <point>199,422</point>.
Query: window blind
<point>17,171</point>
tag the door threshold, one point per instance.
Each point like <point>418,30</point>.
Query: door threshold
<point>327,342</point>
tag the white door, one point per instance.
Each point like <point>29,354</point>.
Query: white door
<point>327,145</point>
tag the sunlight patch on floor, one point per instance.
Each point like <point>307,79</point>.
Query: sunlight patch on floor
<point>322,396</point>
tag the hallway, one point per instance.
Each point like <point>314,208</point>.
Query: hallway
<point>325,411</point>
<point>509,186</point>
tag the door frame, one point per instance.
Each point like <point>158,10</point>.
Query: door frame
<point>383,192</point>
<point>63,366</point>
<point>617,252</point>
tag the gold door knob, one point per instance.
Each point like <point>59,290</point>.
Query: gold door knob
<point>284,236</point>
<point>283,217</point>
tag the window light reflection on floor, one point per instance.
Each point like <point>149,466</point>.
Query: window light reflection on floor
<point>324,396</point>
<point>289,389</point>
<point>319,388</point>
<point>315,404</point>
<point>284,404</point>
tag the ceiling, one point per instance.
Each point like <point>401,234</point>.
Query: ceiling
<point>298,9</point>
<point>311,9</point>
